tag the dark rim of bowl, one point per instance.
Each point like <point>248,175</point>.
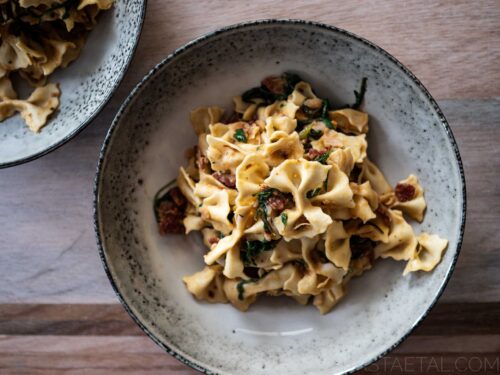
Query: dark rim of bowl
<point>101,106</point>
<point>239,26</point>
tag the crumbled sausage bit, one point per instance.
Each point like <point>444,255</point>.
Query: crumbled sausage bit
<point>274,84</point>
<point>213,240</point>
<point>226,178</point>
<point>177,197</point>
<point>278,202</point>
<point>313,154</point>
<point>404,192</point>
<point>171,212</point>
<point>202,161</point>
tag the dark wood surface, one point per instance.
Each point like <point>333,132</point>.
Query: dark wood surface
<point>58,313</point>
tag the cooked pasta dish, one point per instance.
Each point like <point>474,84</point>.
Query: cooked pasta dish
<point>287,200</point>
<point>37,37</point>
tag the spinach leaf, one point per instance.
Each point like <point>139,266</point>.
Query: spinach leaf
<point>241,289</point>
<point>309,132</point>
<point>261,212</point>
<point>284,218</point>
<point>325,184</point>
<point>262,92</point>
<point>323,157</point>
<point>324,109</point>
<point>328,123</point>
<point>258,93</point>
<point>251,249</point>
<point>240,136</point>
<point>291,79</point>
<point>360,94</point>
<point>312,193</point>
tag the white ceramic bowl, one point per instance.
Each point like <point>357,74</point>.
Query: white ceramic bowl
<point>86,85</point>
<point>145,147</point>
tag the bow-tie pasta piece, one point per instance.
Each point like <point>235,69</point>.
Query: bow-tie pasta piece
<point>401,244</point>
<point>365,200</point>
<point>282,253</point>
<point>279,126</point>
<point>376,229</point>
<point>51,53</point>
<point>410,198</point>
<point>215,202</point>
<point>203,117</point>
<point>6,89</point>
<point>187,187</point>
<point>343,159</point>
<point>337,248</point>
<point>332,139</point>
<point>238,132</point>
<point>320,273</point>
<point>370,172</point>
<point>209,185</point>
<point>6,92</point>
<point>350,121</point>
<point>230,241</point>
<point>226,156</point>
<point>250,175</point>
<point>247,111</point>
<point>207,285</point>
<point>285,148</point>
<point>193,222</point>
<point>291,287</point>
<point>279,108</point>
<point>428,255</point>
<point>216,209</point>
<point>337,191</point>
<point>326,300</point>
<point>12,56</point>
<point>233,265</point>
<point>241,293</point>
<point>36,109</point>
<point>301,93</point>
<point>286,252</point>
<point>299,177</point>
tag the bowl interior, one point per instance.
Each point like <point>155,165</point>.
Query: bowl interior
<point>86,85</point>
<point>146,146</point>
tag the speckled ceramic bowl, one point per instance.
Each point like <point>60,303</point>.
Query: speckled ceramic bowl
<point>86,85</point>
<point>145,147</point>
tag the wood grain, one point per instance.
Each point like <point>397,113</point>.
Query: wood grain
<point>102,339</point>
<point>58,314</point>
<point>138,355</point>
<point>452,46</point>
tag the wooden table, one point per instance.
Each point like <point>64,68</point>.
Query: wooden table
<point>58,313</point>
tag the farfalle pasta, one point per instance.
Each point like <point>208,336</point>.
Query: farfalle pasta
<point>288,202</point>
<point>36,38</point>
